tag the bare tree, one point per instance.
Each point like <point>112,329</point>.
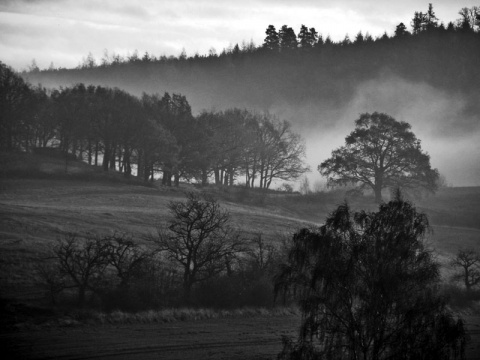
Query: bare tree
<point>198,239</point>
<point>81,263</point>
<point>468,260</point>
<point>127,257</point>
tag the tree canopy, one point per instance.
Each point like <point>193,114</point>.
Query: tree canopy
<point>152,134</point>
<point>380,153</point>
<point>366,286</point>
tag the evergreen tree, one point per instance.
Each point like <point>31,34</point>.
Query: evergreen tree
<point>307,37</point>
<point>288,39</point>
<point>272,41</point>
<point>401,30</point>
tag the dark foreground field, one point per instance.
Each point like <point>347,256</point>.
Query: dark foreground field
<point>231,338</point>
<point>37,208</point>
<point>238,338</point>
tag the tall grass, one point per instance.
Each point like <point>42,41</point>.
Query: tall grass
<point>177,314</point>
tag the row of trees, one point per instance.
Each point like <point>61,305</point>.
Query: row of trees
<point>150,134</point>
<point>307,38</point>
<point>195,258</point>
<point>366,283</point>
<point>286,39</point>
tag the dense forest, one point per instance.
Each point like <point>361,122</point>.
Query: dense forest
<point>304,78</point>
<point>152,134</point>
<point>296,71</point>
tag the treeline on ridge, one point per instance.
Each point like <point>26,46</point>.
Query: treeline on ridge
<point>109,127</point>
<point>297,68</point>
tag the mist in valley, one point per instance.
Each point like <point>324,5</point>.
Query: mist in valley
<point>119,195</point>
<point>322,110</point>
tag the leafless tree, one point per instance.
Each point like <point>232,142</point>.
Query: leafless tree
<point>468,260</point>
<point>127,257</point>
<point>198,239</point>
<point>81,263</point>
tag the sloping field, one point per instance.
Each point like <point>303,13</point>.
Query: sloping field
<point>35,210</point>
<point>33,213</point>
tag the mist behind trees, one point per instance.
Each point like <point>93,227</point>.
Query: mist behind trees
<point>427,74</point>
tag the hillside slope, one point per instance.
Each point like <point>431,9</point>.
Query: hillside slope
<point>429,80</point>
<point>39,206</point>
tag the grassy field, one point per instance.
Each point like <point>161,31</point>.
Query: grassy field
<point>40,201</point>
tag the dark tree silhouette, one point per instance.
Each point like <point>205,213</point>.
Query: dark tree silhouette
<point>401,30</point>
<point>468,260</point>
<point>366,288</point>
<point>470,18</point>
<point>198,239</point>
<point>81,263</point>
<point>14,101</point>
<point>288,39</point>
<point>431,20</point>
<point>380,153</point>
<point>126,257</point>
<point>307,37</point>
<point>272,40</point>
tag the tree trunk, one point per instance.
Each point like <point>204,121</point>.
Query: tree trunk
<point>140,164</point>
<point>89,152</point>
<point>146,172</point>
<point>467,281</point>
<point>126,163</point>
<point>378,193</point>
<point>187,285</point>
<point>204,177</point>
<point>96,153</point>
<point>106,157</point>
<point>81,295</point>
<point>112,157</point>
<point>167,178</point>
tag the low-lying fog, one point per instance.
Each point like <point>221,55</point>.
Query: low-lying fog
<point>447,123</point>
<point>440,120</point>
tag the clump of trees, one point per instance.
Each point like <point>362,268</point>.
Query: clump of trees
<point>380,153</point>
<point>196,258</point>
<point>113,268</point>
<point>366,286</point>
<point>153,134</point>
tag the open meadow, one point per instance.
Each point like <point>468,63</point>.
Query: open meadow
<point>39,206</point>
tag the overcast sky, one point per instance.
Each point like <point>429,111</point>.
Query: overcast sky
<point>65,31</point>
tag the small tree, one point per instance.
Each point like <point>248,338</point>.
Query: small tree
<point>126,257</point>
<point>81,263</point>
<point>380,153</point>
<point>366,287</point>
<point>198,239</point>
<point>468,260</point>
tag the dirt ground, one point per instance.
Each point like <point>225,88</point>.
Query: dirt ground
<point>248,338</point>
